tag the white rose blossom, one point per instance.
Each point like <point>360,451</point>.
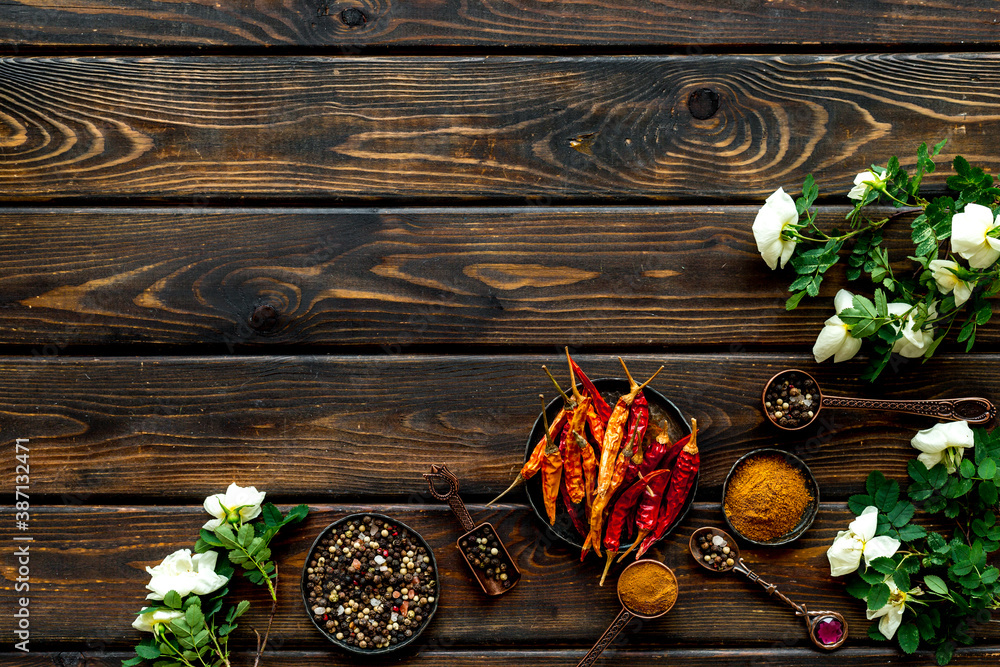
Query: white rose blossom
<point>835,339</point>
<point>891,614</point>
<point>914,343</point>
<point>943,271</point>
<point>945,442</point>
<point>185,574</point>
<point>236,498</point>
<point>969,236</point>
<point>147,621</point>
<point>777,213</point>
<point>859,540</point>
<point>863,181</point>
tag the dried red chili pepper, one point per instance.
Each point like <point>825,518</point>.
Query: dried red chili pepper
<point>600,405</point>
<point>552,468</point>
<point>649,509</point>
<point>569,443</point>
<point>681,481</point>
<point>576,516</point>
<point>618,518</point>
<point>534,462</point>
<point>589,460</point>
<point>655,450</point>
<point>610,475</point>
<point>596,427</point>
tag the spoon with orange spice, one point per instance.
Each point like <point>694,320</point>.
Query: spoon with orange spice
<point>827,629</point>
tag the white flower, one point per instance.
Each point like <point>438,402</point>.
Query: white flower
<point>835,339</point>
<point>969,239</point>
<point>184,573</point>
<point>236,498</point>
<point>943,271</point>
<point>913,343</point>
<point>147,621</point>
<point>774,216</point>
<point>863,181</point>
<point>944,442</point>
<point>859,540</point>
<point>892,613</point>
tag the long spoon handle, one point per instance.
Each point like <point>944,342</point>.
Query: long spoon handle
<point>624,616</point>
<point>972,409</point>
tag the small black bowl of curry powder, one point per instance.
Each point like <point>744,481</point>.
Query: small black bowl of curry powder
<point>770,497</point>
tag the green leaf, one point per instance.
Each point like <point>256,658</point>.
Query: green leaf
<point>944,653</point>
<point>987,469</point>
<point>902,580</point>
<point>925,626</point>
<point>989,575</point>
<point>147,652</point>
<point>793,300</point>
<point>270,514</point>
<point>909,637</point>
<point>911,532</point>
<point>241,609</point>
<point>172,600</point>
<point>858,503</point>
<point>245,535</point>
<point>937,476</point>
<point>871,577</point>
<point>878,597</point>
<point>988,493</point>
<point>210,538</point>
<point>883,565</point>
<point>936,584</point>
<point>859,588</point>
<point>237,557</point>
<point>935,504</point>
<point>887,496</point>
<point>131,662</point>
<point>226,536</point>
<point>920,490</point>
<point>194,616</point>
<point>875,480</point>
<point>967,469</point>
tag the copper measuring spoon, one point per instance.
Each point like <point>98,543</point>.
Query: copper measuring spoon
<point>972,409</point>
<point>664,575</point>
<point>819,623</point>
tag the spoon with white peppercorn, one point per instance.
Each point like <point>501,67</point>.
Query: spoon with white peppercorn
<point>793,399</point>
<point>716,550</point>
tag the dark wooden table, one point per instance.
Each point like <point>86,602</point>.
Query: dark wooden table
<point>319,246</point>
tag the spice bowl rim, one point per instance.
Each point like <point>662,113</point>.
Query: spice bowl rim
<point>567,534</point>
<point>763,399</point>
<point>670,571</point>
<point>428,616</point>
<point>808,515</point>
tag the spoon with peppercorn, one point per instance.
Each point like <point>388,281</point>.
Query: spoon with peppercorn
<point>716,550</point>
<point>480,545</point>
<point>792,400</point>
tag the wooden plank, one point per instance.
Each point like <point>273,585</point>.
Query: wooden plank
<point>672,24</point>
<point>600,128</point>
<point>637,277</point>
<point>466,657</point>
<point>557,603</point>
<point>356,427</point>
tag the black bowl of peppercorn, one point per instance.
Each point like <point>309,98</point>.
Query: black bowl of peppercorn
<point>664,416</point>
<point>369,584</point>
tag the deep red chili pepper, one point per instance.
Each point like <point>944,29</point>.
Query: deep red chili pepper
<point>589,460</point>
<point>638,420</point>
<point>573,482</point>
<point>681,481</point>
<point>649,509</point>
<point>655,450</point>
<point>576,516</point>
<point>600,405</point>
<point>552,470</point>
<point>618,519</point>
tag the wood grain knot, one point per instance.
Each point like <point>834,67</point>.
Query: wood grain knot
<point>264,318</point>
<point>353,17</point>
<point>703,103</point>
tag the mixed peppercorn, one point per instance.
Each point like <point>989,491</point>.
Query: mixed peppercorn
<point>716,552</point>
<point>370,583</point>
<point>791,400</point>
<point>620,477</point>
<point>485,553</point>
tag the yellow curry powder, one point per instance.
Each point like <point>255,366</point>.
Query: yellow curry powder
<point>766,497</point>
<point>647,588</point>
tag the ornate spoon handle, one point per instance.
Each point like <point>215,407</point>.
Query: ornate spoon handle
<point>973,409</point>
<point>624,616</point>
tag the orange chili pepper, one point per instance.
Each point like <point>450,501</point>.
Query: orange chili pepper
<point>552,467</point>
<point>534,462</point>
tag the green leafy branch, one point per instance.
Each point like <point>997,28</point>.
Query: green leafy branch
<point>947,580</point>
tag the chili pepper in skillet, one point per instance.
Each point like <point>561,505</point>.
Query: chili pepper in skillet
<point>680,485</point>
<point>601,406</point>
<point>552,468</point>
<point>575,515</point>
<point>607,479</point>
<point>569,445</point>
<point>649,509</point>
<point>655,450</point>
<point>596,427</point>
<point>534,462</point>
<point>618,519</point>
